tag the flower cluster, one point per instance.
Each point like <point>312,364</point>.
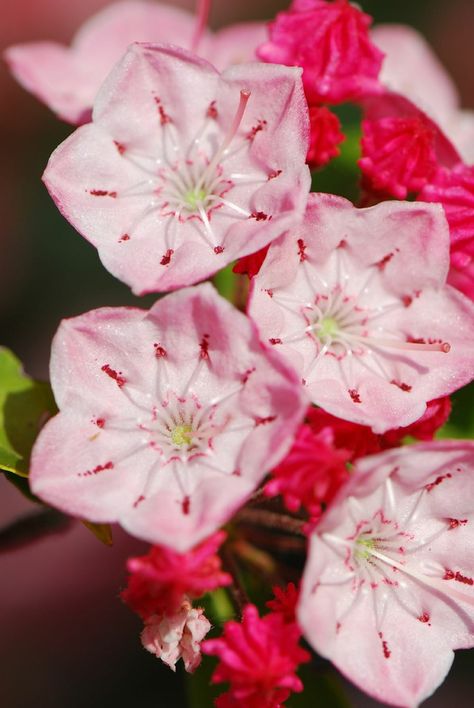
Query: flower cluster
<point>359,326</point>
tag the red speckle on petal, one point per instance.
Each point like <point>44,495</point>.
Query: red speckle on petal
<point>263,421</point>
<point>96,470</point>
<point>275,340</point>
<point>259,216</point>
<point>186,505</point>
<point>424,617</point>
<point>407,300</point>
<point>218,249</point>
<point>338,627</point>
<point>459,577</point>
<point>383,261</point>
<point>301,250</point>
<point>212,110</point>
<point>386,650</point>
<point>437,481</point>
<point>159,350</point>
<point>164,117</point>
<point>256,129</point>
<point>454,523</point>
<point>401,385</point>
<point>102,193</point>
<point>237,473</point>
<point>115,375</point>
<point>204,346</point>
<point>125,237</point>
<point>100,422</point>
<point>120,147</point>
<point>274,174</point>
<point>246,375</point>
<point>138,501</point>
<point>167,257</point>
<point>354,395</point>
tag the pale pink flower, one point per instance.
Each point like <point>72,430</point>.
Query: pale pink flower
<point>183,169</point>
<point>168,419</point>
<point>177,636</point>
<point>356,300</point>
<point>388,590</point>
<point>159,579</point>
<point>259,658</point>
<point>67,79</point>
<point>330,40</point>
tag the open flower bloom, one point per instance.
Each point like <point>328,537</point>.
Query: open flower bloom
<point>357,302</point>
<point>183,169</point>
<point>177,636</point>
<point>412,70</point>
<point>330,40</point>
<point>388,590</point>
<point>67,78</point>
<point>168,419</point>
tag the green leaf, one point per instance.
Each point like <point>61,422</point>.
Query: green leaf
<point>25,405</point>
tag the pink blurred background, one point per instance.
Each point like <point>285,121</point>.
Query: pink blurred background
<point>66,641</point>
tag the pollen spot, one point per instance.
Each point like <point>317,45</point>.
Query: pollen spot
<point>402,386</point>
<point>120,147</point>
<point>159,351</point>
<point>459,577</point>
<point>354,395</point>
<point>204,346</point>
<point>301,250</point>
<point>437,481</point>
<point>218,250</point>
<point>164,117</point>
<point>383,261</point>
<point>117,376</point>
<point>424,617</point>
<point>125,237</point>
<point>264,421</point>
<point>259,216</point>
<point>212,110</point>
<point>96,470</point>
<point>167,257</point>
<point>186,505</point>
<point>386,651</point>
<point>100,422</point>
<point>275,340</point>
<point>138,501</point>
<point>455,523</point>
<point>102,193</point>
<point>256,129</point>
<point>407,300</point>
<point>274,174</point>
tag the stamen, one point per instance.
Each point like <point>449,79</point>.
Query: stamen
<point>444,347</point>
<point>244,97</point>
<point>202,16</point>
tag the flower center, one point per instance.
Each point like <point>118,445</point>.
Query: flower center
<point>326,329</point>
<point>193,198</point>
<point>182,435</point>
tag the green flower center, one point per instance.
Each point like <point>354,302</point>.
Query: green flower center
<point>327,327</point>
<point>364,546</point>
<point>182,435</point>
<point>194,198</point>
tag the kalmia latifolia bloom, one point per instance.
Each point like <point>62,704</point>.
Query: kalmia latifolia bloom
<point>454,189</point>
<point>326,135</point>
<point>183,169</point>
<point>259,658</point>
<point>168,418</point>
<point>388,590</point>
<point>330,40</point>
<point>177,636</point>
<point>159,580</point>
<point>357,302</point>
<point>67,79</point>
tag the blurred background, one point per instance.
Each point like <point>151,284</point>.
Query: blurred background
<point>66,640</point>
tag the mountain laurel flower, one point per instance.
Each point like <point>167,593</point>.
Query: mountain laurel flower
<point>454,189</point>
<point>159,579</point>
<point>183,169</point>
<point>311,473</point>
<point>412,70</point>
<point>259,658</point>
<point>388,589</point>
<point>326,135</point>
<point>177,636</point>
<point>330,40</point>
<point>67,79</point>
<point>169,419</point>
<point>356,300</point>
